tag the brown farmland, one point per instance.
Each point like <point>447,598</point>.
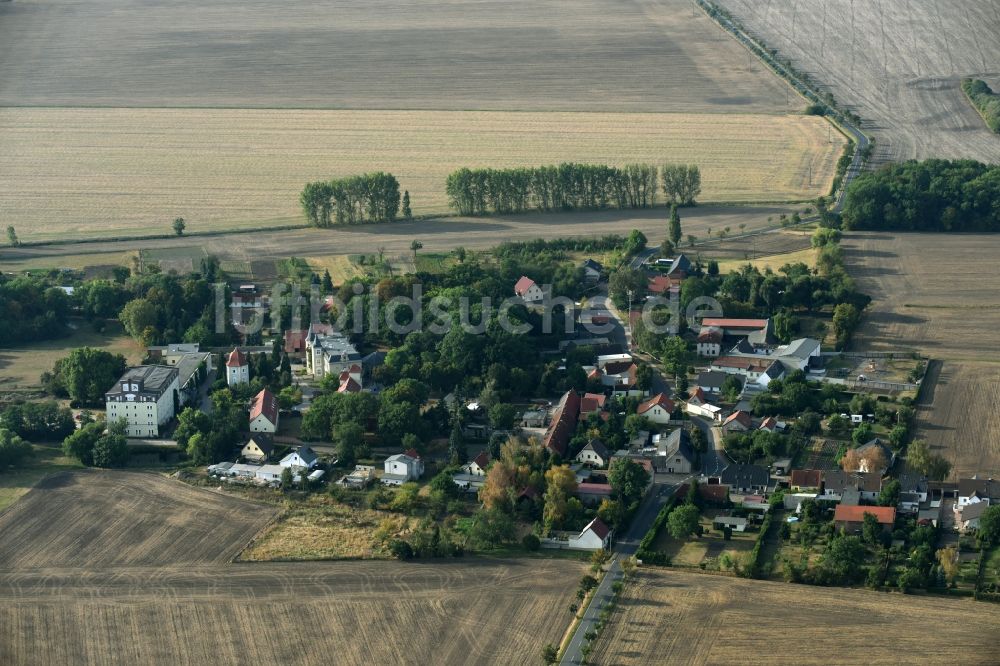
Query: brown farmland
<point>541,55</point>
<point>898,63</point>
<point>686,618</point>
<point>940,295</point>
<point>91,518</point>
<point>120,567</point>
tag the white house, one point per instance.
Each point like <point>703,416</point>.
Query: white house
<point>472,476</point>
<point>301,458</point>
<point>591,270</point>
<point>401,468</point>
<point>594,454</point>
<point>595,536</point>
<point>975,490</point>
<point>264,412</point>
<point>528,290</point>
<point>237,368</point>
<point>657,409</point>
<point>709,342</point>
<point>145,397</point>
<point>699,405</point>
<point>330,354</point>
<point>269,473</point>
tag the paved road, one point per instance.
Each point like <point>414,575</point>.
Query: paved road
<point>715,459</point>
<point>625,547</point>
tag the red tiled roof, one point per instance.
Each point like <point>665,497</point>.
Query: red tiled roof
<point>712,334</point>
<point>523,285</point>
<point>593,488</point>
<point>349,386</point>
<point>563,423</point>
<point>806,478</point>
<point>770,423</point>
<point>598,527</point>
<point>591,402</point>
<point>698,394</point>
<point>658,284</point>
<point>237,358</point>
<point>755,324</point>
<point>594,374</point>
<point>295,340</point>
<point>743,363</point>
<point>885,515</point>
<point>483,459</point>
<point>740,417</point>
<point>264,403</point>
<point>412,453</point>
<point>659,399</point>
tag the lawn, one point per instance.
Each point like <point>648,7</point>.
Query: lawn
<point>47,459</point>
<point>773,262</point>
<point>22,365</point>
<point>707,550</point>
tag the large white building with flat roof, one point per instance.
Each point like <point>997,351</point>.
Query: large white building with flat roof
<point>146,397</point>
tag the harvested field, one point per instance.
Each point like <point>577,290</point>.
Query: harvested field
<point>112,519</point>
<point>938,294</point>
<point>898,63</point>
<point>685,618</point>
<point>439,235</point>
<point>77,173</point>
<point>548,55</point>
<point>446,613</point>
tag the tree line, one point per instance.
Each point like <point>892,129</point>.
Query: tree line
<point>569,186</point>
<point>932,195</point>
<point>370,197</point>
<point>985,100</point>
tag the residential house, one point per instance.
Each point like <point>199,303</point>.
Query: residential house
<point>733,327</point>
<point>477,466</point>
<point>709,341</point>
<point>258,448</point>
<point>269,474</point>
<point>806,481</point>
<point>975,490</point>
<point>761,371</point>
<point>591,403</point>
<point>868,453</point>
<point>349,385</point>
<point>621,378</point>
<point>330,354</point>
<point>734,523</point>
<point>193,367</point>
<point>401,468</point>
<point>592,271</point>
<point>699,405</point>
<point>146,397</point>
<point>302,457</point>
<point>528,290</point>
<point>295,341</point>
<point>264,412</point>
<point>658,285</point>
<point>658,409</point>
<point>711,381</point>
<point>851,518</point>
<point>746,479</point>
<point>913,490</point>
<point>838,485</point>
<point>563,425</point>
<point>770,424</point>
<point>967,516</point>
<point>674,453</point>
<point>594,454</point>
<point>237,368</point>
<point>738,421</point>
<point>596,535</point>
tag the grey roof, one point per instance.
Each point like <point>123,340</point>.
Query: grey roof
<point>597,446</point>
<point>745,476</point>
<point>677,443</point>
<point>373,360</point>
<point>590,263</point>
<point>979,487</point>
<point>714,378</point>
<point>912,482</point>
<point>681,263</point>
<point>763,337</point>
<point>307,455</point>
<point>975,510</point>
<point>800,349</point>
<point>188,365</point>
<point>155,379</point>
<point>263,440</point>
<point>336,347</point>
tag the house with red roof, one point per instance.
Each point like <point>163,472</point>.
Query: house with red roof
<point>851,518</point>
<point>657,409</point>
<point>738,421</point>
<point>563,424</point>
<point>349,385</point>
<point>528,290</point>
<point>709,341</point>
<point>699,405</point>
<point>264,412</point>
<point>595,535</point>
<point>593,493</point>
<point>237,367</point>
<point>806,480</point>
<point>591,403</point>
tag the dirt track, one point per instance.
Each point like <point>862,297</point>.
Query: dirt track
<point>438,235</point>
<point>121,567</point>
<point>938,294</point>
<point>897,62</point>
<point>687,618</point>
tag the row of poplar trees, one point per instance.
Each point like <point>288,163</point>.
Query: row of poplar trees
<point>570,186</point>
<point>371,197</point>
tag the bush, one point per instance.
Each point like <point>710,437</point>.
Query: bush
<point>400,549</point>
<point>985,100</point>
<point>531,542</point>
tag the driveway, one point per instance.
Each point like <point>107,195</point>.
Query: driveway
<point>715,459</point>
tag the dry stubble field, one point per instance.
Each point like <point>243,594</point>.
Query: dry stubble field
<point>939,294</point>
<point>899,63</point>
<point>123,567</point>
<point>687,618</point>
<point>76,173</point>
